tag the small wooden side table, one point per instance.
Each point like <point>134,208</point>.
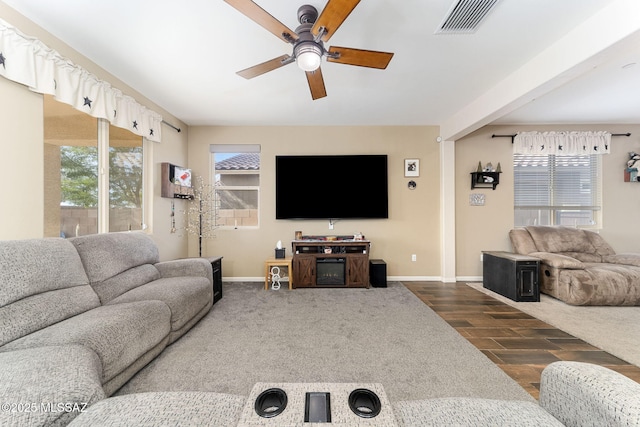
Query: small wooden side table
<point>277,262</point>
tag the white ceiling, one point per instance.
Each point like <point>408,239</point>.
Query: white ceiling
<point>184,55</point>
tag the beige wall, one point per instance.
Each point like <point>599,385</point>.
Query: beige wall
<point>172,149</point>
<point>23,162</point>
<point>486,227</point>
<point>413,224</point>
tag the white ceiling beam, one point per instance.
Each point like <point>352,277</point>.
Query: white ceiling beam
<point>614,29</point>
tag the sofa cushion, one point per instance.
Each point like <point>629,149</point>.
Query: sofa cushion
<point>185,296</point>
<point>602,247</point>
<point>30,267</point>
<point>624,259</point>
<point>560,239</point>
<point>117,285</point>
<point>582,256</point>
<point>42,282</point>
<point>48,377</point>
<point>119,333</point>
<point>558,260</point>
<point>461,411</point>
<point>107,255</point>
<point>598,284</point>
<point>165,409</point>
<point>39,311</point>
<point>186,267</point>
<point>521,241</point>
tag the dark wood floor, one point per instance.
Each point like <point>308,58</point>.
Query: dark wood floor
<point>519,344</point>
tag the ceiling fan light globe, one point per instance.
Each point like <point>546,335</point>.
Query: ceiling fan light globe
<point>308,61</point>
<point>308,55</point>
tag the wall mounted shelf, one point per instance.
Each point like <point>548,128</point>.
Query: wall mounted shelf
<point>168,188</point>
<point>485,179</point>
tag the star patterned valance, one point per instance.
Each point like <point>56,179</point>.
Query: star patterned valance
<point>30,62</point>
<point>562,143</point>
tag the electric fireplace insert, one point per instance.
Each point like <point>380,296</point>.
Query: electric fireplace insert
<point>330,272</point>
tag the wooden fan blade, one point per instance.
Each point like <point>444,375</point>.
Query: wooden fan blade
<point>316,84</point>
<point>264,19</point>
<point>360,57</point>
<point>332,16</point>
<point>256,70</point>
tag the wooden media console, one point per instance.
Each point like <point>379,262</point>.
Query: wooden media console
<point>319,263</point>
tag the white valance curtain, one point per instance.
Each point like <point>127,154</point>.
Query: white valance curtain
<point>562,143</point>
<point>30,62</point>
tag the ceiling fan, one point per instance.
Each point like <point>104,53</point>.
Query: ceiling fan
<point>308,41</point>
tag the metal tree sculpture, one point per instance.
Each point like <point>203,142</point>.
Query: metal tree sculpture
<point>202,213</point>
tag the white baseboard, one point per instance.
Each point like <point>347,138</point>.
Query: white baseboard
<point>245,279</point>
<point>469,278</point>
<point>414,279</point>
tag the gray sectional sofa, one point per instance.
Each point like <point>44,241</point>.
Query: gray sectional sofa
<point>79,317</point>
<point>579,267</point>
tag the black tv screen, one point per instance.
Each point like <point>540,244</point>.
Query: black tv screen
<point>331,187</point>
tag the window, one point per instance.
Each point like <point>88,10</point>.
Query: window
<point>236,179</point>
<point>557,190</point>
<point>77,203</point>
<point>125,180</point>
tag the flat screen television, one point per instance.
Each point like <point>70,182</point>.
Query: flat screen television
<point>332,187</point>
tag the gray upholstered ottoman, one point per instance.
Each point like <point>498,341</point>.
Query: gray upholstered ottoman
<point>164,409</point>
<point>337,403</point>
<point>459,411</point>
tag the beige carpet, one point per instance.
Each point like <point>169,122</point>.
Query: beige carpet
<point>378,335</point>
<point>615,330</point>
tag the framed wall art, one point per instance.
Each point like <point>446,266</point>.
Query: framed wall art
<point>411,167</point>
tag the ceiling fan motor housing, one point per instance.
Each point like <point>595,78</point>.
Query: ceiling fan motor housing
<point>304,33</point>
<point>307,14</point>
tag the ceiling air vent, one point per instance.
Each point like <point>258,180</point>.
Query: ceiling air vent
<point>465,16</point>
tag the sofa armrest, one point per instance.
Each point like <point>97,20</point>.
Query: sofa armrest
<point>624,259</point>
<point>558,260</point>
<point>48,386</point>
<point>583,394</point>
<point>186,267</point>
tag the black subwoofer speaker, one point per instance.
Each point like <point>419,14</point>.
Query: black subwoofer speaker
<point>378,273</point>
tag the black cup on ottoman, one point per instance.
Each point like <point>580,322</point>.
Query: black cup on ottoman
<point>364,403</point>
<point>271,402</point>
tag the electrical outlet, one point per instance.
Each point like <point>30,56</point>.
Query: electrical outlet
<point>413,257</point>
<point>481,257</point>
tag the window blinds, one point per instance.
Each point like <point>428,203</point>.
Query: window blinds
<point>558,184</point>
